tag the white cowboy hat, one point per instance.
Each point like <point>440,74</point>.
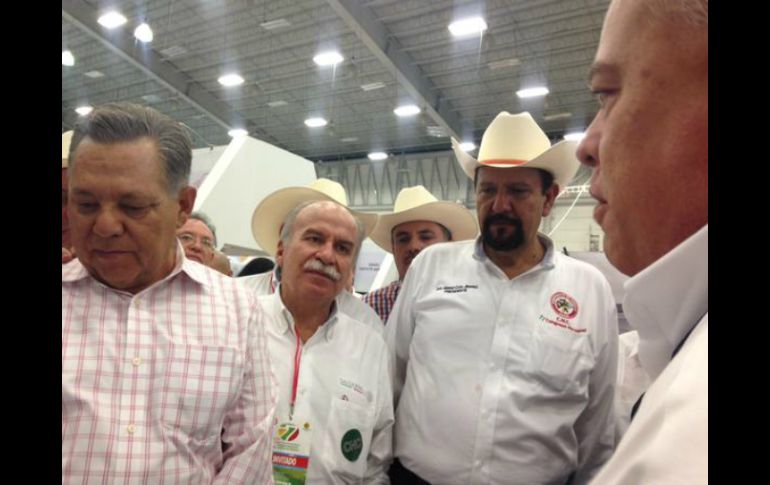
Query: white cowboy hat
<point>417,204</point>
<point>268,217</point>
<point>66,139</point>
<point>516,141</point>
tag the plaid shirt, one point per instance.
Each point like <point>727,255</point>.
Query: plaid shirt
<point>383,299</point>
<point>171,385</point>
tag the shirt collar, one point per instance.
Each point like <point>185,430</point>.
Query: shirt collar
<point>75,271</point>
<point>666,299</point>
<point>284,321</point>
<point>547,262</point>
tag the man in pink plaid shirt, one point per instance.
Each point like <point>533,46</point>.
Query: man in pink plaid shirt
<point>165,373</point>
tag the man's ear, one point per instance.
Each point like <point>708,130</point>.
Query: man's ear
<point>550,198</point>
<point>279,254</point>
<point>186,200</point>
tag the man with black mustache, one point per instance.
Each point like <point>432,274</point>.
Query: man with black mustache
<point>505,351</point>
<point>335,408</point>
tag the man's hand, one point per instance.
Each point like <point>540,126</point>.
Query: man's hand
<point>67,255</point>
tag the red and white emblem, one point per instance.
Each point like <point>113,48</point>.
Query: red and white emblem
<point>564,305</point>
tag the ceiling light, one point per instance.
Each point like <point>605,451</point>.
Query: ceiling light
<point>469,26</point>
<point>532,92</point>
<point>67,59</point>
<point>504,63</point>
<point>230,80</point>
<point>467,146</point>
<point>407,110</point>
<point>143,33</point>
<point>557,116</point>
<point>111,20</point>
<point>83,110</point>
<point>329,58</point>
<point>94,74</point>
<point>349,139</point>
<point>275,24</point>
<point>275,104</point>
<point>315,122</point>
<point>377,156</point>
<point>577,136</point>
<point>236,132</point>
<point>372,86</point>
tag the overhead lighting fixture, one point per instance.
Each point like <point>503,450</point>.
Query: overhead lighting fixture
<point>349,139</point>
<point>532,92</point>
<point>143,33</point>
<point>275,24</point>
<point>575,136</point>
<point>275,104</point>
<point>94,74</point>
<point>557,116</point>
<point>315,122</point>
<point>67,59</point>
<point>83,110</point>
<point>237,132</point>
<point>112,19</point>
<point>230,80</point>
<point>407,110</point>
<point>377,156</point>
<point>469,26</point>
<point>372,86</point>
<point>328,58</point>
<point>467,146</point>
<point>503,64</point>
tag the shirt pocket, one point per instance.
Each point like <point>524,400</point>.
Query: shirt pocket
<point>199,384</point>
<point>559,362</point>
<point>347,439</point>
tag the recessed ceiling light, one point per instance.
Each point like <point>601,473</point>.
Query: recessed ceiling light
<point>532,92</point>
<point>407,110</point>
<point>377,156</point>
<point>468,146</point>
<point>576,136</point>
<point>372,86</point>
<point>230,80</point>
<point>112,19</point>
<point>143,33</point>
<point>315,122</point>
<point>275,24</point>
<point>275,104</point>
<point>83,110</point>
<point>67,59</point>
<point>328,58</point>
<point>469,26</point>
<point>236,132</point>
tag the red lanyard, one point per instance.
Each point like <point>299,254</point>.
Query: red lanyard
<point>295,379</point>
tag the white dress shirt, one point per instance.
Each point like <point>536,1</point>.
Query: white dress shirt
<point>498,380</point>
<point>667,441</point>
<point>265,284</point>
<point>343,384</point>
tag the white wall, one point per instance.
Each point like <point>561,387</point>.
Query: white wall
<point>576,230</point>
<point>247,171</point>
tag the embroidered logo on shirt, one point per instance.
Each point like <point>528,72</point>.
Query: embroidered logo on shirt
<point>352,444</point>
<point>564,305</point>
<point>457,288</point>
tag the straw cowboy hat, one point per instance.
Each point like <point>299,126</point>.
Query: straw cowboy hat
<point>66,139</point>
<point>516,141</point>
<point>417,204</point>
<point>268,217</point>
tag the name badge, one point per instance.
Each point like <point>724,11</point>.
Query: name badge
<point>291,452</point>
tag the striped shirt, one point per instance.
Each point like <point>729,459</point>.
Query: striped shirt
<point>382,300</point>
<point>170,385</point>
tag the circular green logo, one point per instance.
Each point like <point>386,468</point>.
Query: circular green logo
<point>352,444</point>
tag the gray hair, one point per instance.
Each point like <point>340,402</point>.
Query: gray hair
<point>200,216</point>
<point>288,226</point>
<point>694,13</point>
<point>125,122</point>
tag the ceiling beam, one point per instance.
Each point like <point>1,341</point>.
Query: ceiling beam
<point>375,36</point>
<point>84,16</point>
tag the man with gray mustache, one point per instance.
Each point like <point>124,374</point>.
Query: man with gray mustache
<point>335,406</point>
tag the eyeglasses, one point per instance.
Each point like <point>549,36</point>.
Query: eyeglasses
<point>188,240</point>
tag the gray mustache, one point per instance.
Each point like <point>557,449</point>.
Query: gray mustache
<point>327,269</point>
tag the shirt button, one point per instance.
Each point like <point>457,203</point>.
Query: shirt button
<point>130,429</point>
<point>136,361</point>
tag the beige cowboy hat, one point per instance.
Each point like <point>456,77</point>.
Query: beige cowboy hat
<point>268,217</point>
<point>417,204</point>
<point>66,139</point>
<point>516,141</point>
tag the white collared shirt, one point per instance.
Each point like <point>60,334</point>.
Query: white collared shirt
<point>343,384</point>
<point>667,441</point>
<point>498,380</point>
<point>266,283</point>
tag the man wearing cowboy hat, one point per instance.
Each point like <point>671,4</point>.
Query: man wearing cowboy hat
<point>267,222</point>
<point>418,220</point>
<point>335,404</point>
<point>505,352</point>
